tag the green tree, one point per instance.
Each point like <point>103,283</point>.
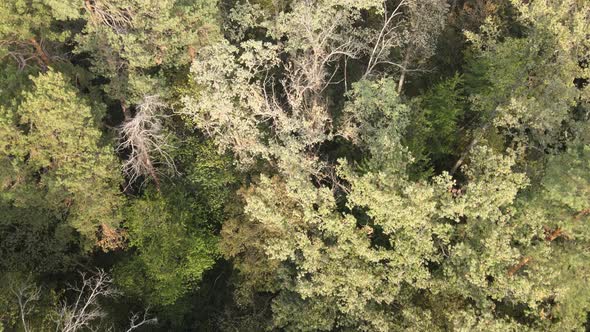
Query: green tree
<point>527,82</point>
<point>134,48</point>
<point>172,233</point>
<point>174,248</point>
<point>560,207</point>
<point>434,134</point>
<point>405,254</point>
<point>33,32</point>
<point>57,174</point>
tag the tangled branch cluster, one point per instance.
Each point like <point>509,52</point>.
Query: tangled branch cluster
<point>142,138</point>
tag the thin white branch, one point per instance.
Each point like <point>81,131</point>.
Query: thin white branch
<point>26,293</point>
<point>135,322</point>
<point>143,139</point>
<point>86,309</point>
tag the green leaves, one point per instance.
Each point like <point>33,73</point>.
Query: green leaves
<point>567,178</point>
<point>530,87</point>
<point>53,153</point>
<point>173,232</point>
<point>129,45</point>
<point>461,205</point>
<point>434,134</point>
<point>174,248</point>
<point>33,32</point>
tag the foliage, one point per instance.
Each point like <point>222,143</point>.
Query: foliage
<point>187,215</point>
<point>52,154</point>
<point>296,165</point>
<point>29,30</point>
<point>433,135</point>
<point>248,108</point>
<point>529,81</point>
<point>129,40</point>
<point>314,256</point>
<point>172,267</point>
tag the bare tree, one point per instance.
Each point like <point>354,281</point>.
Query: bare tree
<point>86,308</point>
<point>106,12</point>
<point>387,39</point>
<point>142,137</point>
<point>26,293</point>
<point>136,320</point>
<point>84,312</point>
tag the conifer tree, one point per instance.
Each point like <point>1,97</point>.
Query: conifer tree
<point>56,165</point>
<point>33,33</point>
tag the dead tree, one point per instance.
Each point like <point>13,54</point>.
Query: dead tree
<point>83,311</point>
<point>86,308</point>
<point>143,139</point>
<point>136,320</point>
<point>26,294</point>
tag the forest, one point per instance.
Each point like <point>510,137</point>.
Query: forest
<point>294,165</point>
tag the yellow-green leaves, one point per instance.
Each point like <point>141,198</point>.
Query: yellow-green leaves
<point>57,159</point>
<point>127,41</point>
<point>530,79</point>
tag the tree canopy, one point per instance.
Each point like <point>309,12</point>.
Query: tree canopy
<point>294,165</point>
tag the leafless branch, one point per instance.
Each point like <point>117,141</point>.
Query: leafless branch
<point>135,322</point>
<point>85,309</point>
<point>108,13</point>
<point>143,139</point>
<point>385,39</point>
<point>26,293</point>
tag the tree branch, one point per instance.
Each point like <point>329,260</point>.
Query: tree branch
<point>524,261</point>
<point>40,52</point>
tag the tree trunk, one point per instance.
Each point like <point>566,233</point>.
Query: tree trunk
<point>153,173</point>
<point>524,261</point>
<point>40,52</point>
<point>402,78</point>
